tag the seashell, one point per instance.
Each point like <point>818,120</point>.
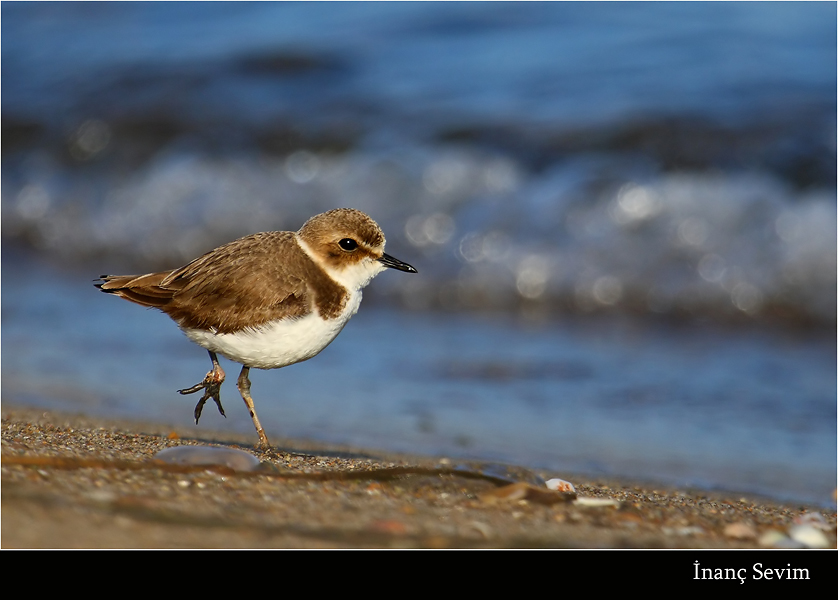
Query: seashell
<point>560,485</point>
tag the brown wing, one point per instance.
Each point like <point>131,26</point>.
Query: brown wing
<point>245,283</point>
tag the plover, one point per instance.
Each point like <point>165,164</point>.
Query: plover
<point>267,300</point>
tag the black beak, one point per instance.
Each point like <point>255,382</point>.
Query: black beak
<point>395,263</point>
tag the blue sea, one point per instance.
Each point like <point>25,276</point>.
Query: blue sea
<point>623,216</point>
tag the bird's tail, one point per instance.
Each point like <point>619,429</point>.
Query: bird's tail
<point>142,289</point>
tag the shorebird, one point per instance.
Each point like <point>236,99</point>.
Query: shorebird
<point>267,300</point>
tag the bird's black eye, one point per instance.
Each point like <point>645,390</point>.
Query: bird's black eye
<point>348,244</point>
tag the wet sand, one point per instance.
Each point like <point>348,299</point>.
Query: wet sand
<point>79,482</point>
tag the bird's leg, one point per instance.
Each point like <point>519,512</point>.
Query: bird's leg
<point>211,386</point>
<point>244,389</point>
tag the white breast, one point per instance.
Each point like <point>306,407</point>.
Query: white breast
<point>280,343</point>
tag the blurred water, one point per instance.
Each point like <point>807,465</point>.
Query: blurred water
<point>653,157</point>
<point>563,175</point>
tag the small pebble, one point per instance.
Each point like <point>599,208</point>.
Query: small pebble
<point>740,531</point>
<point>685,531</point>
<point>786,543</point>
<point>585,501</point>
<point>482,528</point>
<point>238,460</point>
<point>772,539</point>
<point>809,536</point>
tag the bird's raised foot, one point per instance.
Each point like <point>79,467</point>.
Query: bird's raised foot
<point>212,389</point>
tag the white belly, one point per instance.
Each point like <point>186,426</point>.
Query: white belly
<point>277,344</point>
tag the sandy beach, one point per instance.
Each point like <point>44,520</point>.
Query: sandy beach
<point>78,482</point>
